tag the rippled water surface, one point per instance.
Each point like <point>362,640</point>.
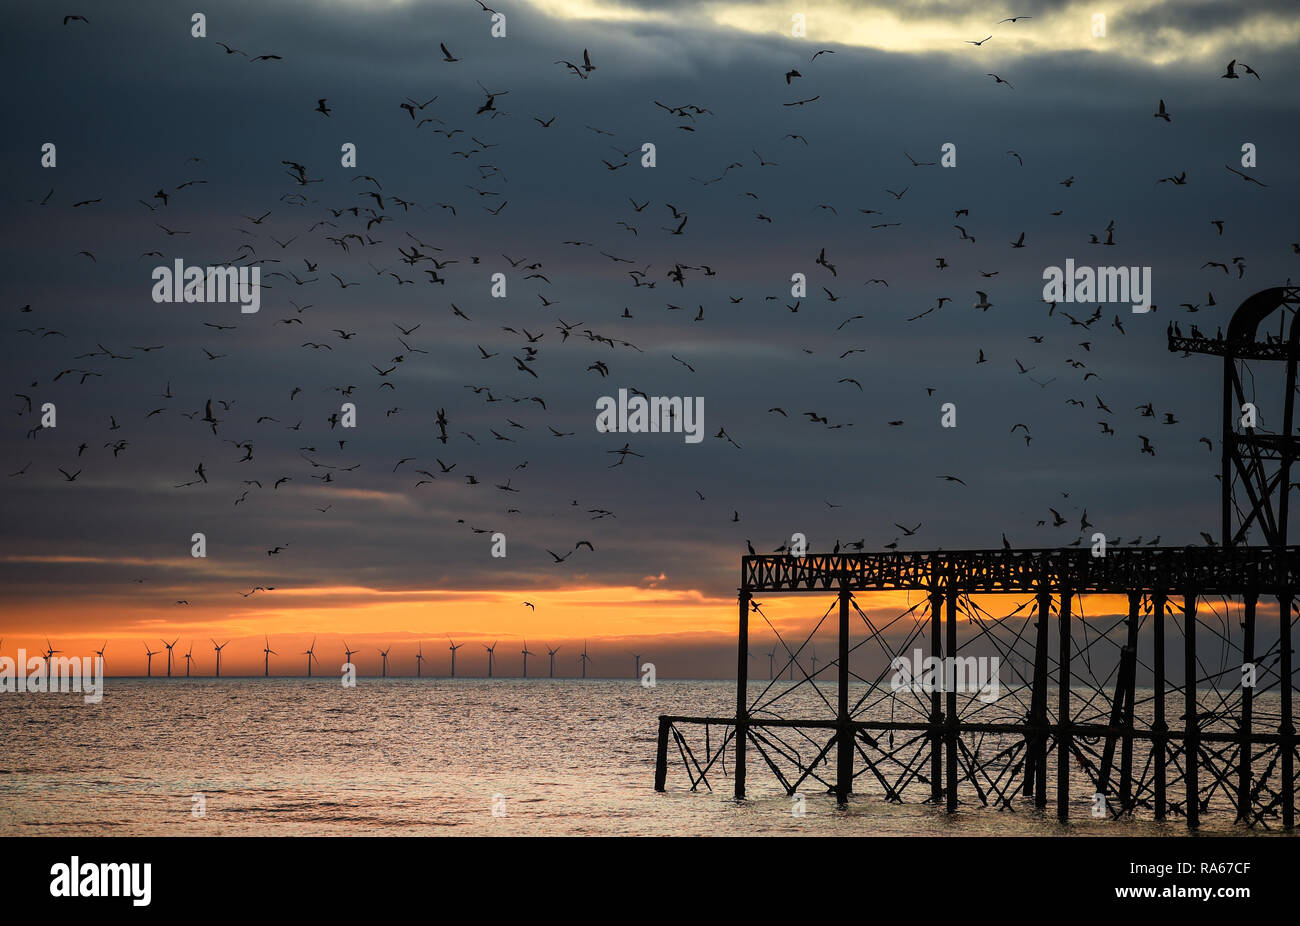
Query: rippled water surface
<point>408,756</point>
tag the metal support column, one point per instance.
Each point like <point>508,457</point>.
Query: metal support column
<point>1158,727</point>
<point>1191,749</point>
<point>1244,772</point>
<point>742,692</point>
<point>661,754</point>
<point>1063,739</point>
<point>950,688</point>
<point>1040,700</point>
<point>844,758</point>
<point>1126,720</point>
<point>936,699</point>
<point>1287,727</point>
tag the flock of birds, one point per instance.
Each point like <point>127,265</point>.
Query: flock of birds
<point>315,241</point>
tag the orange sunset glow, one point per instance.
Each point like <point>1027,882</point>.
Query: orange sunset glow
<point>606,618</point>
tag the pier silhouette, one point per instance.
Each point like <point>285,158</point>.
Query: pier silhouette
<point>1198,743</point>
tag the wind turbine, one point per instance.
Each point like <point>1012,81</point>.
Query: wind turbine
<point>267,653</point>
<point>637,657</point>
<point>189,657</point>
<point>552,653</point>
<point>148,666</point>
<point>384,653</point>
<point>310,653</point>
<point>169,654</point>
<point>219,648</point>
<point>419,661</point>
<point>491,650</point>
<point>348,652</point>
<point>771,664</point>
<point>526,655</point>
<point>814,663</point>
<point>454,646</point>
<point>49,651</point>
<point>584,659</point>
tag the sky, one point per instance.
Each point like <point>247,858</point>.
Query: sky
<point>380,554</point>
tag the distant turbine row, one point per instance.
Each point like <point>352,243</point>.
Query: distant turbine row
<point>310,653</point>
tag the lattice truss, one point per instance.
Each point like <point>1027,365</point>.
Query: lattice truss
<point>1259,352</point>
<point>1002,752</point>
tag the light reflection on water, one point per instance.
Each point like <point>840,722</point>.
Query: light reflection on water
<point>407,756</point>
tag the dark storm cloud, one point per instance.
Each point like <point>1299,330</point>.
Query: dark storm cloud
<point>1205,16</point>
<point>131,97</point>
